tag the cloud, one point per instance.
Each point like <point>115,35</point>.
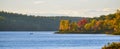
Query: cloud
<point>83,0</point>
<point>107,9</point>
<point>80,12</point>
<point>38,2</point>
<point>67,12</point>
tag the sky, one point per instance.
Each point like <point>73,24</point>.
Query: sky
<point>84,8</point>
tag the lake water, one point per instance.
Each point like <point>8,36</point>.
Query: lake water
<point>49,40</point>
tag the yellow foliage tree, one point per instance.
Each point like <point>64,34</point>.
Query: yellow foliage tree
<point>64,25</point>
<point>117,22</point>
<point>88,26</point>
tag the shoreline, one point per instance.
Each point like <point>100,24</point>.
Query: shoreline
<point>83,33</point>
<point>78,33</point>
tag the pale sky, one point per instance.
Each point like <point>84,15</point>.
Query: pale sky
<point>84,8</point>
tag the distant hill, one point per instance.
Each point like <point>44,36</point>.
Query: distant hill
<point>19,22</point>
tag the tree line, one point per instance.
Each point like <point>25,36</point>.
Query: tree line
<point>22,22</point>
<point>109,24</point>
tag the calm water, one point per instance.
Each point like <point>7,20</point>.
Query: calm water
<point>48,40</point>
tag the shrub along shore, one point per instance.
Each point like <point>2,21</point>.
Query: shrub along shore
<point>113,45</point>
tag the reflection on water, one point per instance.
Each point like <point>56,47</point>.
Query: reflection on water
<point>48,40</point>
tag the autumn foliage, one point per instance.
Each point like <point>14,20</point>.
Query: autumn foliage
<point>64,25</point>
<point>109,24</point>
<point>113,45</point>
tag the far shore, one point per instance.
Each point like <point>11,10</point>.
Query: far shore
<point>78,33</point>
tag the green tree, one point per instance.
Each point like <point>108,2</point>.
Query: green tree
<point>1,18</point>
<point>73,26</point>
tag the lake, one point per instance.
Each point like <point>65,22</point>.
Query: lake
<point>49,40</point>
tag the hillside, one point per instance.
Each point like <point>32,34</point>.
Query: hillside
<point>19,22</point>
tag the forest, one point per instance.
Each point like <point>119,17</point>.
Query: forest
<point>22,22</point>
<point>105,24</point>
<point>108,24</point>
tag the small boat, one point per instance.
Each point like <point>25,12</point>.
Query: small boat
<point>31,33</point>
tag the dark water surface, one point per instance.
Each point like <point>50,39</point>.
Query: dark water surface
<point>49,40</point>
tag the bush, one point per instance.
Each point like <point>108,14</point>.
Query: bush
<point>113,45</point>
